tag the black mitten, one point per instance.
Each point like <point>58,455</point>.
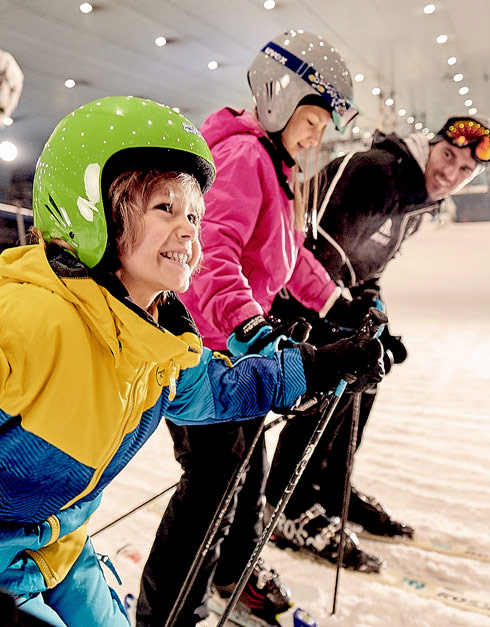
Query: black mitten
<point>360,363</point>
<point>395,345</point>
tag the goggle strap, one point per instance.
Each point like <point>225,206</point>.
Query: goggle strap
<point>310,75</point>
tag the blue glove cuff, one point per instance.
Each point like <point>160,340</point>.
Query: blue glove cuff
<point>239,349</point>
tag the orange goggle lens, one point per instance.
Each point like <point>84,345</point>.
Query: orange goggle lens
<point>464,133</point>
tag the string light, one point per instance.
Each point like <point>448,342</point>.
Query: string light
<point>473,110</point>
<point>212,65</point>
<point>463,90</point>
<point>375,91</point>
<point>69,83</point>
<point>429,8</point>
<point>451,60</point>
<point>7,121</point>
<point>457,78</point>
<point>402,112</point>
<point>410,119</point>
<point>359,78</point>
<point>269,4</point>
<point>467,103</point>
<point>160,41</point>
<point>8,151</point>
<point>389,102</point>
<point>86,7</point>
<point>441,39</point>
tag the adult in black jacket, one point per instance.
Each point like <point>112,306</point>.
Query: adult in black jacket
<point>371,202</point>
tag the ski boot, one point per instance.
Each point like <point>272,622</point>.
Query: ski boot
<point>262,599</point>
<point>319,534</point>
<point>374,518</point>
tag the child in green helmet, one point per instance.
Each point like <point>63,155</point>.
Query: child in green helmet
<point>96,348</point>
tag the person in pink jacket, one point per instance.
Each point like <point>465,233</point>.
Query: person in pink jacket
<point>252,247</point>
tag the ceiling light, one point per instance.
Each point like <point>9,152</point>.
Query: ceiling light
<point>457,78</point>
<point>425,131</point>
<point>212,65</point>
<point>464,90</point>
<point>402,112</point>
<point>410,119</point>
<point>86,7</point>
<point>341,154</point>
<point>7,121</point>
<point>269,4</point>
<point>367,135</point>
<point>429,8</point>
<point>70,83</point>
<point>160,41</point>
<point>359,78</point>
<point>467,103</point>
<point>389,102</point>
<point>473,110</point>
<point>430,136</point>
<point>356,129</point>
<point>451,60</point>
<point>441,39</point>
<point>418,125</point>
<point>375,91</point>
<point>8,151</point>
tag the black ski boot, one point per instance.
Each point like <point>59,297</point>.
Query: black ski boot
<point>319,534</point>
<point>264,597</point>
<point>374,518</point>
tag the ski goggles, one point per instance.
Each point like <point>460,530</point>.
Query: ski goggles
<point>342,109</point>
<point>465,132</point>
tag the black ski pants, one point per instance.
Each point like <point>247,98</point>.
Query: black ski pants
<point>208,455</point>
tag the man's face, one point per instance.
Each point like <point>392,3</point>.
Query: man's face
<point>447,168</point>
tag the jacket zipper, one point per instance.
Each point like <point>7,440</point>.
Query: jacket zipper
<point>117,443</point>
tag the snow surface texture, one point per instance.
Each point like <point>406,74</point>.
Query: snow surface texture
<point>425,453</point>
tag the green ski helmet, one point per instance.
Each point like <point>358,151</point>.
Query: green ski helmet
<point>103,139</point>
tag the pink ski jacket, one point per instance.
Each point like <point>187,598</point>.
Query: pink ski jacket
<point>251,249</point>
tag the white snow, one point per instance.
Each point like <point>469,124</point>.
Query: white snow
<point>425,453</point>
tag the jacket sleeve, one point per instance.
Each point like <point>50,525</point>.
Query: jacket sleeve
<point>233,206</point>
<point>220,390</point>
<point>310,283</point>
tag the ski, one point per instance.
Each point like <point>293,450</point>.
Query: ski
<point>295,617</point>
<point>410,583</point>
<point>426,543</point>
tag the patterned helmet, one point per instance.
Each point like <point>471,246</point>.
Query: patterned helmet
<point>293,66</point>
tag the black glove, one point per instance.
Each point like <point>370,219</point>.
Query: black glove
<point>350,313</point>
<point>345,359</point>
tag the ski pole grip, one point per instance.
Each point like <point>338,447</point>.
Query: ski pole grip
<point>370,328</point>
<point>374,321</point>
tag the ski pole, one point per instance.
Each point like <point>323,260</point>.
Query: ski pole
<point>375,330</point>
<point>222,509</point>
<point>327,407</point>
<point>212,530</point>
<point>135,509</point>
<point>346,496</point>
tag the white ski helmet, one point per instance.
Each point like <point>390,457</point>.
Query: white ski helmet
<point>293,66</point>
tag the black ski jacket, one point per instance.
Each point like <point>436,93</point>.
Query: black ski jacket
<point>376,203</point>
